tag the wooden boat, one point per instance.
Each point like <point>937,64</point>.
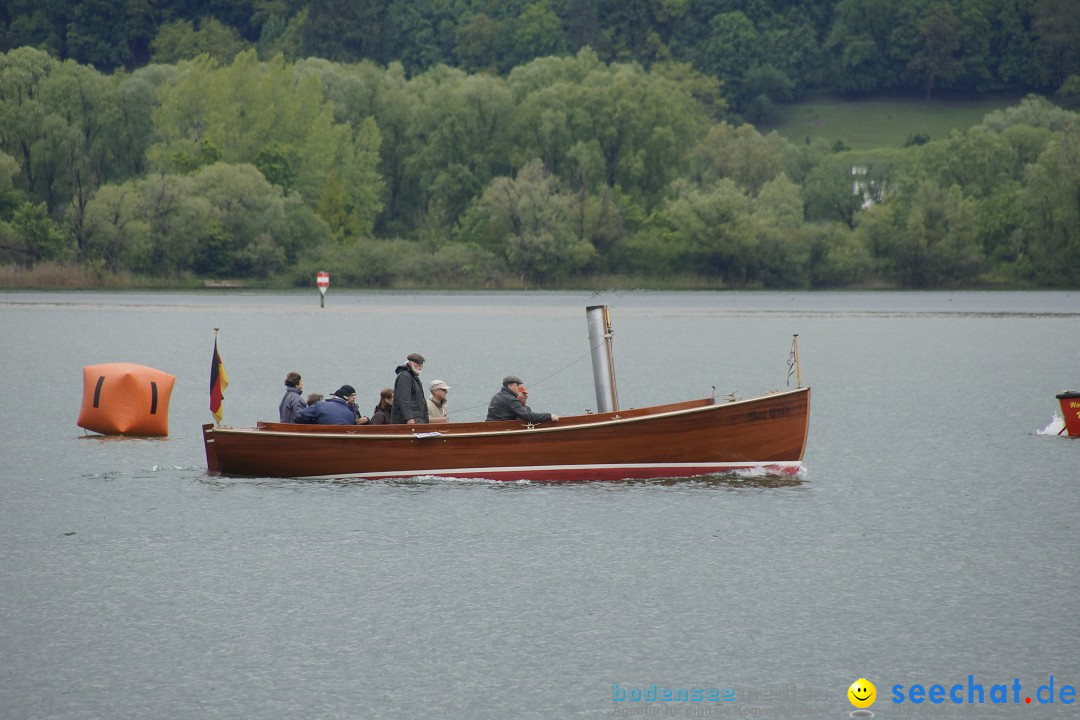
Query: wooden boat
<point>1070,411</point>
<point>684,439</point>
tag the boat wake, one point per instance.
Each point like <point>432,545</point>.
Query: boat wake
<point>735,479</point>
<point>432,479</point>
<point>1057,424</point>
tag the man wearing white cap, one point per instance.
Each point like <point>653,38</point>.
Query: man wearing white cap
<point>436,403</point>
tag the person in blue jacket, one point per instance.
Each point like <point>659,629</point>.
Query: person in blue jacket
<point>334,410</point>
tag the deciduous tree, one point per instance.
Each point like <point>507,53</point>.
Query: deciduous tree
<point>940,39</point>
<point>183,40</point>
<point>533,221</point>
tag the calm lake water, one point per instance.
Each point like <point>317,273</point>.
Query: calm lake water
<point>933,535</point>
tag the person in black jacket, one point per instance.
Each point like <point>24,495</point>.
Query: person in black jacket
<point>410,405</point>
<point>507,405</point>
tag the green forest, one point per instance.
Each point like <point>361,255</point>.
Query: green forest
<point>546,144</point>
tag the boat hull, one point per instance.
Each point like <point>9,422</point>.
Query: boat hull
<point>698,437</point>
<point>1070,411</point>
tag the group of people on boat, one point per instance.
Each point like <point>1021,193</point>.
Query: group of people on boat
<point>404,404</point>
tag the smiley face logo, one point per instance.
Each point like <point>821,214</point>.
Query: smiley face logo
<point>862,693</point>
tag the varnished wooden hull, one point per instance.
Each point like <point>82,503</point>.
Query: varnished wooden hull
<point>697,437</point>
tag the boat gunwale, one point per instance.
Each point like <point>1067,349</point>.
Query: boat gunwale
<point>435,434</point>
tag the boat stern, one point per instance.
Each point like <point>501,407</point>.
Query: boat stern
<point>212,466</point>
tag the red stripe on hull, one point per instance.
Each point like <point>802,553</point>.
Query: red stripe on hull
<point>584,474</point>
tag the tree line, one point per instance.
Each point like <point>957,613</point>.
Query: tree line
<point>565,168</point>
<point>764,52</point>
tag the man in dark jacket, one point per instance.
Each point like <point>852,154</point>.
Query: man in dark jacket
<point>410,405</point>
<point>505,405</point>
<point>334,410</point>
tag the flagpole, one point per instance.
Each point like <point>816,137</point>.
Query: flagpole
<point>798,370</point>
<point>217,420</point>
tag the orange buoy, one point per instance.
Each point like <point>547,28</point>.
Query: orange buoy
<point>126,399</point>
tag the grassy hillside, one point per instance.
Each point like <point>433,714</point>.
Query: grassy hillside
<point>880,122</point>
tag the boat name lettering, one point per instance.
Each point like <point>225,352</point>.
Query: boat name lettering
<point>755,415</point>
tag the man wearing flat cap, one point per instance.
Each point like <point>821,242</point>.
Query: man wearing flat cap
<point>410,405</point>
<point>505,404</point>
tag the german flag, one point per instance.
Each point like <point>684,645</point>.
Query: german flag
<point>218,382</point>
